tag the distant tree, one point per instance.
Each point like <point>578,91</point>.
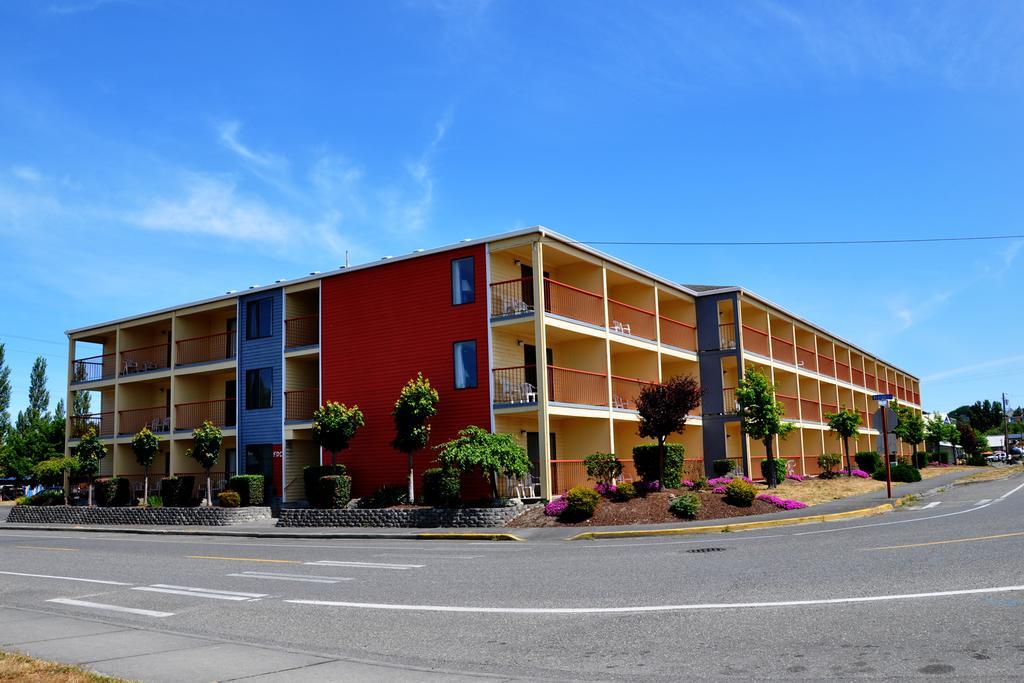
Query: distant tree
<point>845,424</point>
<point>969,440</point>
<point>983,416</point>
<point>5,396</point>
<point>494,454</point>
<point>145,445</point>
<point>761,415</point>
<point>416,404</point>
<point>31,442</point>
<point>206,441</point>
<point>57,468</point>
<point>334,425</point>
<point>38,395</point>
<point>664,408</point>
<point>89,453</point>
<point>936,430</point>
<point>910,429</point>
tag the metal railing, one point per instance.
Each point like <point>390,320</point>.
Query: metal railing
<point>827,408</point>
<point>727,336</point>
<point>810,411</point>
<point>870,382</point>
<point>858,377</point>
<point>826,365</point>
<point>806,358</point>
<point>210,347</point>
<point>220,412</point>
<point>300,404</point>
<point>145,358</point>
<point>132,420</point>
<point>515,384</point>
<point>625,391</point>
<point>783,351</point>
<point>579,387</point>
<point>512,297</point>
<point>729,403</point>
<point>94,368</point>
<point>842,371</point>
<point>573,302</point>
<point>790,406</point>
<point>301,331</point>
<point>101,423</point>
<point>678,334</point>
<point>755,341</point>
<point>631,320</point>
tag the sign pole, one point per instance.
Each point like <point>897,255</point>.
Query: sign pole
<point>888,466</point>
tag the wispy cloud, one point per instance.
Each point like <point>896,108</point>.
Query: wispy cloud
<point>974,367</point>
<point>228,134</point>
<point>26,173</point>
<point>78,7</point>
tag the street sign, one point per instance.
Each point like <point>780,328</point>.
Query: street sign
<point>882,397</point>
<point>890,418</point>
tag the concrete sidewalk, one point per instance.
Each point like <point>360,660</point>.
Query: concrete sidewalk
<point>268,530</point>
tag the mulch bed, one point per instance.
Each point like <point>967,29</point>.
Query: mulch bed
<point>649,509</point>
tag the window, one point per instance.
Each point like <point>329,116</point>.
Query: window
<point>462,281</point>
<point>259,315</point>
<point>465,364</point>
<point>259,384</point>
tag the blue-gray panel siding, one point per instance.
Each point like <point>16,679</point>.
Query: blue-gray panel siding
<point>261,426</point>
<point>710,363</point>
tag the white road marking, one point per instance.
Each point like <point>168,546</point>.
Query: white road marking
<point>983,501</point>
<point>68,578</point>
<point>929,505</point>
<point>201,592</point>
<point>111,608</point>
<point>653,608</point>
<point>599,544</point>
<point>291,577</point>
<point>1010,492</point>
<point>363,565</point>
<point>433,557</point>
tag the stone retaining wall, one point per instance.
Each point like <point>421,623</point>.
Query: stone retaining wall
<point>80,514</point>
<point>425,518</point>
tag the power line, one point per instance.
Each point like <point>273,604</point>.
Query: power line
<point>35,339</point>
<point>794,243</point>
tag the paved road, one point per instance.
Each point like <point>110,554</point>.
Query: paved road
<point>932,590</point>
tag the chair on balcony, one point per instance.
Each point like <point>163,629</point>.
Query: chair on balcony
<point>128,366</point>
<point>618,326</point>
<point>527,487</point>
<point>527,393</point>
<point>511,305</point>
<point>506,395</point>
<point>619,402</point>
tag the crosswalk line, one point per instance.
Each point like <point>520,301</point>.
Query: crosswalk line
<point>67,578</point>
<point>111,608</point>
<point>276,576</point>
<point>363,565</point>
<point>208,593</point>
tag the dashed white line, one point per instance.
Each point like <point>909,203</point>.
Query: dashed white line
<point>929,505</point>
<point>68,578</point>
<point>291,577</point>
<point>111,608</point>
<point>983,501</point>
<point>201,592</point>
<point>1011,492</point>
<point>363,565</point>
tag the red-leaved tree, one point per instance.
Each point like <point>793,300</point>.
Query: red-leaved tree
<point>663,410</point>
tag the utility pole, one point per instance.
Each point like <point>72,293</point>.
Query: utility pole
<point>1006,430</point>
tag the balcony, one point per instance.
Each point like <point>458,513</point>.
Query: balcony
<point>730,406</point>
<point>300,404</point>
<point>826,366</point>
<point>206,349</point>
<point>625,391</point>
<point>577,387</point>
<point>155,419</point>
<point>790,406</point>
<point>806,358</point>
<point>755,341</point>
<point>810,411</point>
<point>220,412</point>
<point>302,331</point>
<point>631,320</point>
<point>515,385</point>
<point>678,334</point>
<point>726,336</point>
<point>828,409</point>
<point>842,371</point>
<point>145,359</point>
<point>783,351</point>
<point>858,377</point>
<point>94,368</point>
<point>573,303</point>
<point>511,298</point>
<point>101,423</point>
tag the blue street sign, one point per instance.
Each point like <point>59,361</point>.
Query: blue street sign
<point>882,397</point>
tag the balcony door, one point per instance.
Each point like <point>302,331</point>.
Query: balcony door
<point>530,361</point>
<point>232,341</point>
<point>533,451</point>
<point>527,286</point>
<point>229,403</point>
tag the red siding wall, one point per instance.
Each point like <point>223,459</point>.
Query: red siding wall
<point>381,326</point>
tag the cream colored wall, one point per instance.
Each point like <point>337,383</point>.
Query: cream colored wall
<point>582,354</point>
<point>576,438</point>
<point>635,364</point>
<point>503,267</point>
<point>677,309</point>
<point>146,335</point>
<point>582,275</point>
<point>306,302</point>
<point>141,395</point>
<point>809,389</point>
<point>634,294</point>
<point>203,324</point>
<point>298,454</point>
<point>515,425</point>
<point>729,375</point>
<point>203,387</point>
<point>734,440</point>
<point>301,373</point>
<point>506,352</point>
<point>812,443</point>
<point>672,367</point>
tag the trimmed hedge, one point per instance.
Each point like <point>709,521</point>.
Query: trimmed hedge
<point>229,499</point>
<point>335,491</point>
<point>582,502</point>
<point>177,491</point>
<point>901,472</point>
<point>442,487</point>
<point>112,492</point>
<point>311,475</point>
<point>869,461</point>
<point>920,459</point>
<point>645,458</point>
<point>780,470</point>
<point>686,506</point>
<point>721,467</point>
<point>740,493</point>
<point>43,498</point>
<point>249,487</point>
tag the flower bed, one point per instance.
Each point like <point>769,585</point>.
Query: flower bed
<point>784,503</point>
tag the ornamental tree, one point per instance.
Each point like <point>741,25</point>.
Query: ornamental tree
<point>334,425</point>
<point>495,454</point>
<point>416,404</point>
<point>910,428</point>
<point>845,424</point>
<point>206,440</point>
<point>89,453</point>
<point>664,408</point>
<point>146,446</point>
<point>761,415</point>
<point>937,430</point>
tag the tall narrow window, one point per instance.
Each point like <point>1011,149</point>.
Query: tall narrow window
<point>462,281</point>
<point>259,316</point>
<point>259,385</point>
<point>465,364</point>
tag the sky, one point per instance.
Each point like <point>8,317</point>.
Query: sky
<point>154,152</point>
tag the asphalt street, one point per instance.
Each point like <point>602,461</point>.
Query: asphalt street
<point>935,589</point>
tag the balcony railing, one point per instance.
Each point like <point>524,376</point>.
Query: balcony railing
<point>864,420</point>
<point>806,358</point>
<point>870,382</point>
<point>678,334</point>
<point>578,387</point>
<point>101,423</point>
<point>512,297</point>
<point>790,406</point>
<point>220,412</point>
<point>842,371</point>
<point>729,404</point>
<point>573,302</point>
<point>300,404</point>
<point>301,331</point>
<point>755,341</point>
<point>94,368</point>
<point>515,385</point>
<point>631,320</point>
<point>205,349</point>
<point>858,377</point>
<point>625,391</point>
<point>810,411</point>
<point>783,351</point>
<point>145,358</point>
<point>826,365</point>
<point>727,336</point>
<point>828,408</point>
<point>132,421</point>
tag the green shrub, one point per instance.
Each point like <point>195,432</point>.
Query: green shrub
<point>919,459</point>
<point>721,467</point>
<point>21,500</point>
<point>624,491</point>
<point>229,499</point>
<point>901,472</point>
<point>311,475</point>
<point>581,502</point>
<point>780,470</point>
<point>249,487</point>
<point>177,491</point>
<point>335,491</point>
<point>977,461</point>
<point>869,461</point>
<point>113,492</point>
<point>387,496</point>
<point>602,467</point>
<point>740,493</point>
<point>645,458</point>
<point>700,484</point>
<point>686,505</point>
<point>442,487</point>
<point>826,462</point>
<point>155,502</point>
<point>47,498</point>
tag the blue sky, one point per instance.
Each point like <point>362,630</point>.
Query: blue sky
<point>155,152</point>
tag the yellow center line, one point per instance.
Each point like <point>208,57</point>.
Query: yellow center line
<point>954,540</point>
<point>241,559</point>
<point>43,547</point>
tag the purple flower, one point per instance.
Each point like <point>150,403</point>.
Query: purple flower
<point>605,489</point>
<point>783,503</point>
<point>860,473</point>
<point>556,507</point>
<point>719,490</point>
<point>686,484</point>
<point>795,477</point>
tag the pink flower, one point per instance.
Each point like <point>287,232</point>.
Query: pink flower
<point>783,503</point>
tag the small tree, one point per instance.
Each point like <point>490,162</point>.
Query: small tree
<point>603,468</point>
<point>910,429</point>
<point>935,429</point>
<point>146,446</point>
<point>968,438</point>
<point>206,440</point>
<point>54,469</point>
<point>845,424</point>
<point>334,425</point>
<point>761,415</point>
<point>495,454</point>
<point>664,408</point>
<point>89,453</point>
<point>416,404</point>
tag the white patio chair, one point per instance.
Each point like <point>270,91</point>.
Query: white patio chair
<point>528,392</point>
<point>128,366</point>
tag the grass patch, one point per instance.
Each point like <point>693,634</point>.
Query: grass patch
<point>990,473</point>
<point>15,667</point>
<point>817,491</point>
<point>929,472</point>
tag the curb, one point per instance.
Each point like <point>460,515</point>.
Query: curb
<point>739,526</point>
<point>454,535</point>
<point>354,535</point>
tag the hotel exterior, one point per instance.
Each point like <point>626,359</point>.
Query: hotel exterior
<point>527,333</point>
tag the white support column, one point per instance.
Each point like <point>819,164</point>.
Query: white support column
<point>608,359</point>
<point>540,332</point>
<point>69,393</point>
